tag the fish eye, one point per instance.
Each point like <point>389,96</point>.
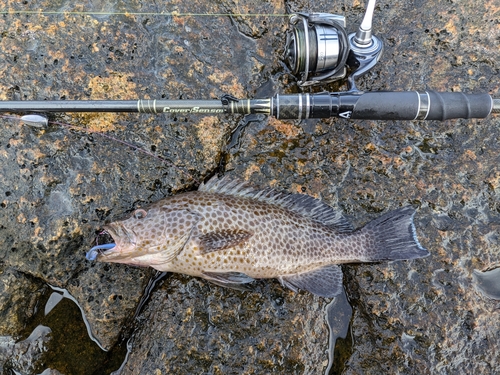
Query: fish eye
<point>140,214</point>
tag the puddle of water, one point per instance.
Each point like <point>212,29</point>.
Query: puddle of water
<point>59,337</point>
<point>57,297</point>
<point>488,283</point>
<point>338,314</point>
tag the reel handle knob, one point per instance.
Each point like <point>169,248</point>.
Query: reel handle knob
<point>363,36</point>
<point>365,48</point>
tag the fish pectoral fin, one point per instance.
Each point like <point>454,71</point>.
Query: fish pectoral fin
<point>166,253</point>
<point>222,239</point>
<point>227,278</point>
<point>162,255</point>
<point>324,282</point>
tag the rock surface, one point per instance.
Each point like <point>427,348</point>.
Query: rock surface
<point>191,326</point>
<point>59,185</point>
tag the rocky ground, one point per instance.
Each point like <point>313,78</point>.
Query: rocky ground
<point>58,186</point>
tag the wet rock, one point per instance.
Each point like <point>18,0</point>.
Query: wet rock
<point>109,299</point>
<point>19,297</point>
<point>192,326</point>
<point>22,357</point>
<point>58,185</point>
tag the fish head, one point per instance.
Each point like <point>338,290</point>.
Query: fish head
<point>148,237</point>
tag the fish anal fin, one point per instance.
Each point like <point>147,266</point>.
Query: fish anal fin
<point>324,282</point>
<point>222,239</point>
<point>227,278</point>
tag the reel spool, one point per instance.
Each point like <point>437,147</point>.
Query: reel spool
<point>317,47</point>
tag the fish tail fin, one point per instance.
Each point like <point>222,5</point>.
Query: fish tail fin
<point>393,237</point>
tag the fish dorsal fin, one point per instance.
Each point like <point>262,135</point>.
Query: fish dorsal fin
<point>300,203</point>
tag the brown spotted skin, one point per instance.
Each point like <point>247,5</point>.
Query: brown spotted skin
<point>230,233</point>
<point>270,240</point>
<point>281,243</point>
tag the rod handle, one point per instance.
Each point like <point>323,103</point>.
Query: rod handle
<point>428,105</point>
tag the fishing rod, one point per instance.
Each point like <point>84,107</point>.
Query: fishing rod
<point>318,50</point>
<point>426,105</point>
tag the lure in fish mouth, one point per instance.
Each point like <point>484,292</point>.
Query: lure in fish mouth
<point>96,250</point>
<point>104,244</point>
<point>231,233</point>
<point>111,248</point>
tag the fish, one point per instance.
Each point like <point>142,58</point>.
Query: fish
<point>231,233</point>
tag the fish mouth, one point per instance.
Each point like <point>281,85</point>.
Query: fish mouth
<point>105,245</point>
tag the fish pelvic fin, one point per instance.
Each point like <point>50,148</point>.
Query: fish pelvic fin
<point>232,280</point>
<point>393,237</point>
<point>223,278</point>
<point>324,282</point>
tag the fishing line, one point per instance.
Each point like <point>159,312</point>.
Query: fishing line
<point>131,13</point>
<point>125,143</point>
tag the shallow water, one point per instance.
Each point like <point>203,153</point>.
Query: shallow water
<point>65,342</point>
<point>488,283</point>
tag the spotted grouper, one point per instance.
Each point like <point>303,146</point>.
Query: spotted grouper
<point>231,233</point>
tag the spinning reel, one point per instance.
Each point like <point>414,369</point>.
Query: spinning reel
<point>319,50</point>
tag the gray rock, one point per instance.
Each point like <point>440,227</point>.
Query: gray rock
<point>191,326</point>
<point>19,296</point>
<point>22,357</point>
<point>57,186</point>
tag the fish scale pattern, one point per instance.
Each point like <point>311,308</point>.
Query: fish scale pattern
<point>230,228</point>
<point>279,241</point>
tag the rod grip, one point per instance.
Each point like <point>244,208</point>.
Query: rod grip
<point>427,105</point>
